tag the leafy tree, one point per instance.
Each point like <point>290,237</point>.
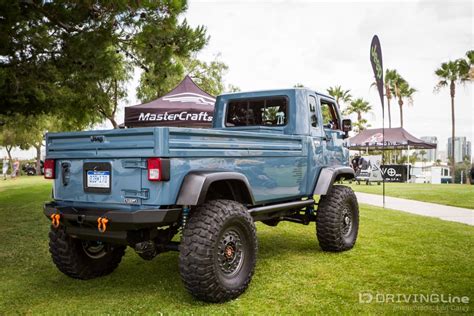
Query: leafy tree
<point>208,76</point>
<point>359,106</point>
<point>449,74</point>
<point>422,154</point>
<point>53,53</point>
<point>111,90</point>
<point>413,157</point>
<point>29,131</point>
<point>231,88</point>
<point>340,94</point>
<point>13,134</point>
<point>36,128</point>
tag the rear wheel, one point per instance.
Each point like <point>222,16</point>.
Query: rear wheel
<point>81,259</point>
<point>337,219</point>
<point>218,251</point>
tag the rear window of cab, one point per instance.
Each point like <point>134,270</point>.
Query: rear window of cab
<point>268,111</point>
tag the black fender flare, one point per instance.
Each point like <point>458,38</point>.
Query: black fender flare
<point>329,175</point>
<point>196,184</point>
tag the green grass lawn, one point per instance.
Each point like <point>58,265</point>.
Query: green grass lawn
<point>460,195</point>
<point>395,253</point>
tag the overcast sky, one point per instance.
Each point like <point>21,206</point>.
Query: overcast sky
<point>276,44</point>
<point>270,45</point>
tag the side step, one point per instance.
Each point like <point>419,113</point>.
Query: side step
<point>277,210</point>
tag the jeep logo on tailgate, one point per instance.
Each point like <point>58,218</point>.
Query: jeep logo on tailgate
<point>97,139</point>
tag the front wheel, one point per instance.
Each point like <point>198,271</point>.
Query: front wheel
<point>337,219</point>
<point>81,259</point>
<point>218,251</point>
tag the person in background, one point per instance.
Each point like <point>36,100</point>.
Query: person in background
<point>5,167</point>
<point>355,162</point>
<point>16,168</point>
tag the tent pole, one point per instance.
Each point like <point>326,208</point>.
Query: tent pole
<point>408,164</point>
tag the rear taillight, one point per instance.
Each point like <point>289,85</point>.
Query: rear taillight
<point>154,169</point>
<point>49,169</point>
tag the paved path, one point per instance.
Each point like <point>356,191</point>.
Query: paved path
<point>444,212</point>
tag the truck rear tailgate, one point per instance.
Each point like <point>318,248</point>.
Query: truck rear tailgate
<point>101,166</point>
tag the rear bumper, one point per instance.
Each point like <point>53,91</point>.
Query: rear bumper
<point>118,220</point>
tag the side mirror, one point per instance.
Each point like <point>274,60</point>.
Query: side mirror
<point>346,127</point>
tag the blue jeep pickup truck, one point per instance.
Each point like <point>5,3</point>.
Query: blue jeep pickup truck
<point>267,156</point>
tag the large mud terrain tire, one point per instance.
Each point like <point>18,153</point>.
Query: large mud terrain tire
<point>218,251</point>
<point>83,259</point>
<point>337,219</point>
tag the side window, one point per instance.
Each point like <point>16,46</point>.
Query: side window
<point>312,111</point>
<point>329,113</point>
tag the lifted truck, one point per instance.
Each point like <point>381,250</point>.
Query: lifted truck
<point>266,157</point>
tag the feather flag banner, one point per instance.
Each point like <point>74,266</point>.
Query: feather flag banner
<point>377,66</point>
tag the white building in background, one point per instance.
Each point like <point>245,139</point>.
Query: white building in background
<point>431,154</point>
<point>430,173</point>
<point>462,148</point>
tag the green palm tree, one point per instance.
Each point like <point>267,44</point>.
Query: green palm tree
<point>359,106</point>
<point>466,66</point>
<point>390,79</point>
<point>405,92</point>
<point>340,94</point>
<point>449,74</point>
<point>470,60</point>
<point>390,76</point>
<point>402,91</point>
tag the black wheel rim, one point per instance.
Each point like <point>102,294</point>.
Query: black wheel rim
<point>230,252</point>
<point>347,219</point>
<point>94,249</point>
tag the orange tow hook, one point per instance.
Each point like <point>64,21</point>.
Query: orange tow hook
<point>55,220</point>
<point>102,224</point>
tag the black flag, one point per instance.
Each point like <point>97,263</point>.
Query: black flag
<point>376,61</point>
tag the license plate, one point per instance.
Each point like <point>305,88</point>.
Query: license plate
<point>98,179</point>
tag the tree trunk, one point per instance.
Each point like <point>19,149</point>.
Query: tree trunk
<point>400,103</point>
<point>389,97</point>
<point>9,153</point>
<point>38,158</point>
<point>112,118</point>
<point>114,123</point>
<point>389,115</point>
<point>453,125</point>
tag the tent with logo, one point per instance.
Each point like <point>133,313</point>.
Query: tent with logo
<point>187,105</point>
<point>395,138</point>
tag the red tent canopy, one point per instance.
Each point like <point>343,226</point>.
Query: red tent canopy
<point>184,106</point>
<point>395,138</point>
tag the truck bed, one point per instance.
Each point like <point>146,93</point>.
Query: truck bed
<point>275,164</point>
